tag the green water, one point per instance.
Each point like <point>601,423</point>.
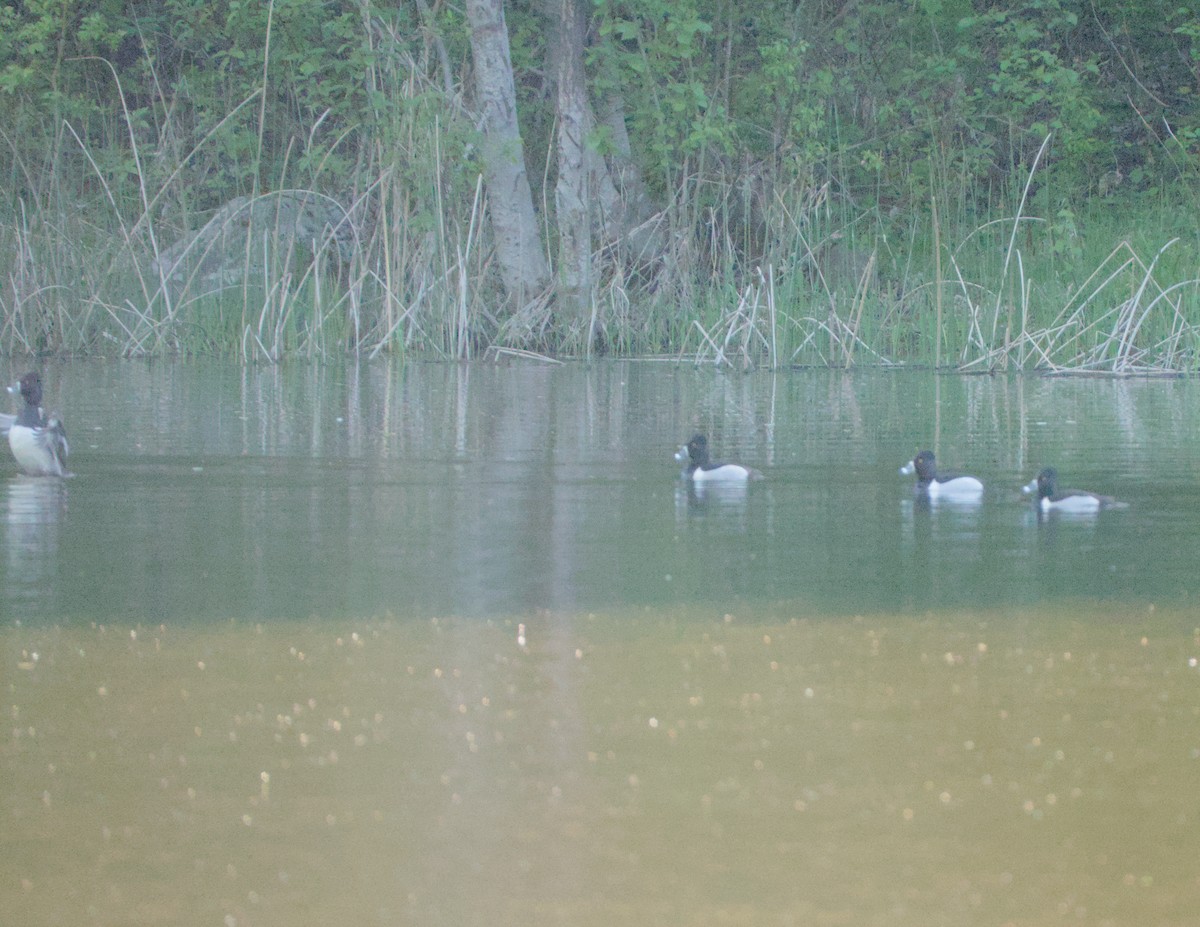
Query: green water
<point>209,492</point>
<point>451,645</point>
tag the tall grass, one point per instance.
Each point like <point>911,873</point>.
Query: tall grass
<point>1017,291</point>
<point>758,269</point>
<point>392,264</point>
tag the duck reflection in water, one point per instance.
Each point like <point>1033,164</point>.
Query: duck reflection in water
<point>34,508</point>
<point>720,505</point>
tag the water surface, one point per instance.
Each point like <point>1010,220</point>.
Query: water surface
<point>209,492</point>
<point>452,645</point>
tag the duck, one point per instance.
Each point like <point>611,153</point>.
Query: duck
<point>700,468</point>
<point>924,465</point>
<point>1075,501</point>
<point>39,444</point>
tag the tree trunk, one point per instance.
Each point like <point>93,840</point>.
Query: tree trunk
<point>636,219</point>
<point>572,197</point>
<point>523,266</point>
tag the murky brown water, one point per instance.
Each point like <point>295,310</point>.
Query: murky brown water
<point>641,767</point>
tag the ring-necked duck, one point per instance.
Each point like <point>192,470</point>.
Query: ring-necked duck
<point>38,443</point>
<point>1049,499</point>
<point>949,484</point>
<point>701,469</point>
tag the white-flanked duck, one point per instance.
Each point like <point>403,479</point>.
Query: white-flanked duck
<point>701,468</point>
<point>1075,501</point>
<point>39,444</point>
<point>949,485</point>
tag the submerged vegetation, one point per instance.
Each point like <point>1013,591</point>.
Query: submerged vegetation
<point>946,182</point>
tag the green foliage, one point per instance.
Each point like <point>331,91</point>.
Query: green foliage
<point>664,47</point>
<point>807,137</point>
<point>186,68</point>
<point>1029,88</point>
<point>306,57</point>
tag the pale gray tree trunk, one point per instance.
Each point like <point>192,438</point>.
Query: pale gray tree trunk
<point>636,220</point>
<point>523,265</point>
<point>597,200</point>
<point>572,191</point>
